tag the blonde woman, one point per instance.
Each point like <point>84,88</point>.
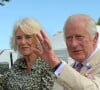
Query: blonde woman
<point>29,71</point>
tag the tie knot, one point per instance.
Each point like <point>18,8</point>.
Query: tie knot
<point>79,66</point>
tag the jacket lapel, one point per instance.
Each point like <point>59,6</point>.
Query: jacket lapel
<point>91,64</point>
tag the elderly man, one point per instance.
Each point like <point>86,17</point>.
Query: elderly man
<point>81,39</point>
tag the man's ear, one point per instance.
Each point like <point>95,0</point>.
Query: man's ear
<point>96,37</point>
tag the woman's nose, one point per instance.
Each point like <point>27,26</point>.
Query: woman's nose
<point>23,40</point>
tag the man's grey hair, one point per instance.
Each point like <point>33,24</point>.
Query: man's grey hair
<point>90,23</point>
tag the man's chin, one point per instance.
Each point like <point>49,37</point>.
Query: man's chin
<point>78,58</point>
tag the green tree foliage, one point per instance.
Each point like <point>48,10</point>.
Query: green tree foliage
<point>2,2</point>
<point>98,22</point>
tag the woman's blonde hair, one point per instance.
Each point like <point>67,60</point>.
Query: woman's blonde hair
<point>28,26</point>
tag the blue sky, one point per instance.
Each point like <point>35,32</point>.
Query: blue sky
<point>50,13</point>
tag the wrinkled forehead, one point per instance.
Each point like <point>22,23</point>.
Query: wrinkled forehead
<point>76,22</point>
<point>76,26</point>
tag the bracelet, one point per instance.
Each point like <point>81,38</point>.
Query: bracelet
<point>55,68</point>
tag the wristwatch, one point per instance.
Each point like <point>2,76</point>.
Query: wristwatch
<point>55,68</point>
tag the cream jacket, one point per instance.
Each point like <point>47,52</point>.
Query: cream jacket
<point>73,80</point>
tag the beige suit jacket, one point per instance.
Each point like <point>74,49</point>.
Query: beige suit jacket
<point>73,80</point>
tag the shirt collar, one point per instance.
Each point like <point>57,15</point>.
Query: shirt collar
<point>85,61</point>
<point>23,63</point>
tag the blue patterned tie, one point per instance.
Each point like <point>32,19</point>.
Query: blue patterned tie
<point>79,66</point>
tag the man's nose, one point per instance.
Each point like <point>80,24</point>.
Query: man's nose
<point>74,42</point>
